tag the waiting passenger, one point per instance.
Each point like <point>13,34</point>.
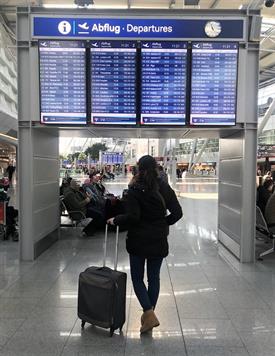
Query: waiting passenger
<point>148,227</point>
<point>267,165</point>
<point>95,194</point>
<point>75,200</point>
<point>267,176</point>
<point>163,176</point>
<point>270,213</point>
<point>65,185</point>
<point>264,193</point>
<point>11,216</point>
<point>97,181</point>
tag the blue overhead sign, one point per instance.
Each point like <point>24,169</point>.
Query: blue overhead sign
<point>73,27</point>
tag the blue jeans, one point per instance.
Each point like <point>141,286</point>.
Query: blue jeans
<point>147,297</point>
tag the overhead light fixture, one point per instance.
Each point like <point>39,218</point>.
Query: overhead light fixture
<point>269,3</point>
<point>84,3</point>
<point>74,6</point>
<point>9,137</point>
<point>59,6</point>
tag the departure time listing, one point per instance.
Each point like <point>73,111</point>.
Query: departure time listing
<point>214,83</point>
<point>113,82</point>
<point>62,82</point>
<point>163,83</point>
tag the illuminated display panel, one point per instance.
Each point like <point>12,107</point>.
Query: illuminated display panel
<point>62,82</point>
<point>214,83</point>
<point>163,83</point>
<point>113,82</point>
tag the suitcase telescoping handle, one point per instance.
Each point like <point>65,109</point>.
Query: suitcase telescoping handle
<point>105,247</point>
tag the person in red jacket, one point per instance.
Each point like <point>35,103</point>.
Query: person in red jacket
<point>148,200</point>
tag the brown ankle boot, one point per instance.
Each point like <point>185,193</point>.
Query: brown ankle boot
<point>150,321</point>
<point>142,319</point>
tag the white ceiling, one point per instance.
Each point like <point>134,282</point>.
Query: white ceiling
<point>267,56</point>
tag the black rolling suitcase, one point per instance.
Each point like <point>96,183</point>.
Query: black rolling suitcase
<point>102,294</point>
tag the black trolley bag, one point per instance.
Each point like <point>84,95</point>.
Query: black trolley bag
<point>102,294</point>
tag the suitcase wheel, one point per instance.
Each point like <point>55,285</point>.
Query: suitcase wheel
<point>82,324</point>
<point>112,332</point>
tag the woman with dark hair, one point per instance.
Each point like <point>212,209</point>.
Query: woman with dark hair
<point>264,193</point>
<point>148,200</point>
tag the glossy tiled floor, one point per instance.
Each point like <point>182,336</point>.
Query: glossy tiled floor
<point>208,305</point>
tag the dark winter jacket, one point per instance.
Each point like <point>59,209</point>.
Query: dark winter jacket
<point>263,197</point>
<point>147,220</point>
<point>75,201</point>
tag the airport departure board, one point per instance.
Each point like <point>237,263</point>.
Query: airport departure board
<point>112,158</point>
<point>163,83</point>
<point>214,83</point>
<point>113,82</point>
<point>62,82</point>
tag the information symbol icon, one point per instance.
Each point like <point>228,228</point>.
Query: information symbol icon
<point>64,27</point>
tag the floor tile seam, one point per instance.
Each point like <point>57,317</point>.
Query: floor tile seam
<point>67,264</point>
<point>6,288</point>
<point>177,309</point>
<point>257,293</point>
<point>67,339</point>
<point>250,354</point>
<point>47,290</point>
<point>246,308</point>
<point>237,331</point>
<point>205,318</point>
<point>253,289</point>
<point>56,279</point>
<point>229,263</point>
<point>21,298</point>
<point>128,320</point>
<point>3,346</point>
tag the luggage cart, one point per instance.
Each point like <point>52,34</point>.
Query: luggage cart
<point>3,221</point>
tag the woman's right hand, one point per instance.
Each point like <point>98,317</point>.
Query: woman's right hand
<point>111,221</point>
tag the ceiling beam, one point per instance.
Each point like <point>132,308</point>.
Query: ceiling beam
<point>255,4</point>
<point>214,4</point>
<point>8,9</point>
<point>172,4</point>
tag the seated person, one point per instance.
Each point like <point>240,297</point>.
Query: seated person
<point>264,192</point>
<point>11,216</point>
<point>75,200</point>
<point>267,176</point>
<point>163,176</point>
<point>108,174</point>
<point>96,196</point>
<point>270,213</point>
<point>65,185</point>
<point>95,179</point>
<point>107,202</point>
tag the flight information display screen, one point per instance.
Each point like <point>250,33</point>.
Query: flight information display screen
<point>112,158</point>
<point>62,82</point>
<point>214,83</point>
<point>113,82</point>
<point>163,83</point>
